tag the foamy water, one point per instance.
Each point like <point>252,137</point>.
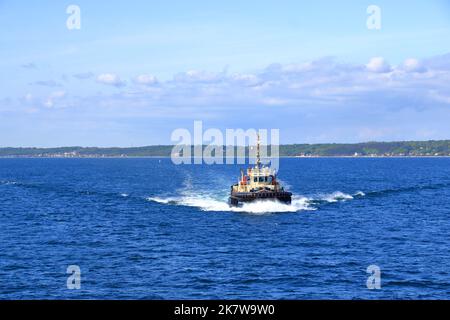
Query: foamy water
<point>336,196</point>
<point>208,203</point>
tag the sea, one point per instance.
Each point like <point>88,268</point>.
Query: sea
<point>145,228</point>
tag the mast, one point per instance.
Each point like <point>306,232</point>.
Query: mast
<point>258,159</point>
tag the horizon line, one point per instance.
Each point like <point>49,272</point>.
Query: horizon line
<point>171,145</point>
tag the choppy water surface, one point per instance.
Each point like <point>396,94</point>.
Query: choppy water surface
<point>147,229</point>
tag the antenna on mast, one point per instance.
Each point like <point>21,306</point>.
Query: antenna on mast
<point>258,158</point>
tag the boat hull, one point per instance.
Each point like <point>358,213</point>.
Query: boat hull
<point>237,198</point>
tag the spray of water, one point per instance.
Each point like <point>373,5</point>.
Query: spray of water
<point>207,202</point>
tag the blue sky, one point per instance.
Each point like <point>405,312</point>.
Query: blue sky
<point>137,70</point>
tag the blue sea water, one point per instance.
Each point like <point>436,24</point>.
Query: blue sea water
<point>147,229</point>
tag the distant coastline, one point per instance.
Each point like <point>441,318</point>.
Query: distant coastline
<point>432,148</point>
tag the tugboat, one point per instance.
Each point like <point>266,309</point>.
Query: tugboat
<point>260,183</point>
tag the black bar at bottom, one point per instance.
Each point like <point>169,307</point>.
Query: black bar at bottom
<point>223,309</point>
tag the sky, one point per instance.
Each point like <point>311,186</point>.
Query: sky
<point>135,71</point>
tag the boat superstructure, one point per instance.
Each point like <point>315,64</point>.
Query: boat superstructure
<point>258,183</point>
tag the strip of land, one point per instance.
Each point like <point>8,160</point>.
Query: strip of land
<point>433,148</point>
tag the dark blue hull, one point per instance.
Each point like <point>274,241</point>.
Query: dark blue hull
<point>241,197</point>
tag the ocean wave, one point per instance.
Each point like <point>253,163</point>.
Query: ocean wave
<point>7,182</point>
<point>336,196</point>
<point>410,189</point>
<point>206,203</point>
<point>359,194</point>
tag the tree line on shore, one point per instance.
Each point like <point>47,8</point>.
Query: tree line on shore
<point>402,148</point>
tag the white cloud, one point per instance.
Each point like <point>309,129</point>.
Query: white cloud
<point>110,79</point>
<point>146,79</point>
<point>198,76</point>
<point>320,82</point>
<point>48,103</point>
<point>53,97</point>
<point>28,97</point>
<point>246,79</point>
<point>322,99</point>
<point>274,101</point>
<point>413,65</point>
<point>378,65</point>
<point>314,84</point>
